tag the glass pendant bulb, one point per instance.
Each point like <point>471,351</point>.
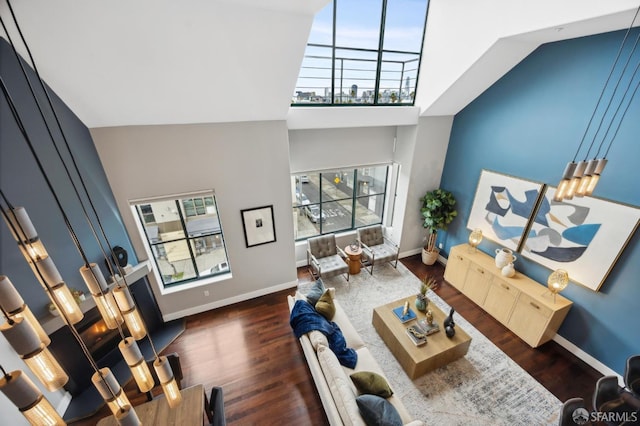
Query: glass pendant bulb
<point>137,364</point>
<point>27,344</point>
<point>130,313</point>
<point>33,322</point>
<point>97,285</point>
<point>172,393</point>
<point>109,311</point>
<point>168,381</point>
<point>134,324</point>
<point>575,180</point>
<point>65,301</point>
<point>47,369</point>
<point>12,302</point>
<point>586,178</point>
<point>564,182</point>
<point>110,390</point>
<point>595,177</point>
<point>32,404</point>
<point>33,250</point>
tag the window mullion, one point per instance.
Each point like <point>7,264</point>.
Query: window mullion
<point>333,64</point>
<point>320,198</point>
<point>380,47</point>
<point>354,197</point>
<point>186,237</point>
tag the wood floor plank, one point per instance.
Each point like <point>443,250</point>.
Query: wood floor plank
<point>250,351</point>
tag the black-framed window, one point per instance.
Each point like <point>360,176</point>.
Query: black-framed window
<point>363,52</point>
<point>338,200</point>
<point>185,237</point>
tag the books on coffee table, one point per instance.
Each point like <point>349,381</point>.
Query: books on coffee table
<point>428,328</point>
<point>410,315</point>
<point>417,336</point>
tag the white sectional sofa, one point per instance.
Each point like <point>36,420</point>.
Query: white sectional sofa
<point>336,389</point>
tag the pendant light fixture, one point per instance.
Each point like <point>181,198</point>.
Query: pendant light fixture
<point>38,259</point>
<point>168,381</point>
<point>110,390</point>
<point>12,303</point>
<point>125,302</point>
<point>28,399</point>
<point>25,341</point>
<point>102,295</point>
<point>580,178</point>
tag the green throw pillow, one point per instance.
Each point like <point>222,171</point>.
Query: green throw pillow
<point>325,306</point>
<point>371,383</point>
<point>377,411</point>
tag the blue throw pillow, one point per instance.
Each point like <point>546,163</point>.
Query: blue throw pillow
<point>315,292</point>
<point>377,411</point>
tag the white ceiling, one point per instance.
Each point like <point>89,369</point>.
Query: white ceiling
<point>119,62</point>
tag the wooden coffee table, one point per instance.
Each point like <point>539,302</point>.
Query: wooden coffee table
<point>418,360</point>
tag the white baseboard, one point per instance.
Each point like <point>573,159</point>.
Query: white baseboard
<point>441,259</point>
<point>228,301</point>
<point>410,253</point>
<point>591,361</point>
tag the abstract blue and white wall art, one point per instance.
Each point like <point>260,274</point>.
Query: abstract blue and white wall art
<point>503,206</point>
<point>584,235</point>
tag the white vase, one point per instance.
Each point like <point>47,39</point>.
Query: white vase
<point>504,256</point>
<point>509,270</point>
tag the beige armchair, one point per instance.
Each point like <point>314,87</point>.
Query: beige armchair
<point>376,248</point>
<point>325,258</point>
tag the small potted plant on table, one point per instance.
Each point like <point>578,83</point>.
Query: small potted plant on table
<point>422,301</point>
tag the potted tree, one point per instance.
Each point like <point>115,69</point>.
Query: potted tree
<point>438,210</point>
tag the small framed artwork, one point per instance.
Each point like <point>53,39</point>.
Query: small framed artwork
<point>259,226</point>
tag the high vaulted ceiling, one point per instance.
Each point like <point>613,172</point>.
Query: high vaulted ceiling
<point>119,62</point>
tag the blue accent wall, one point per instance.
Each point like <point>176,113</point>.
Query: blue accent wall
<point>24,185</point>
<point>529,124</point>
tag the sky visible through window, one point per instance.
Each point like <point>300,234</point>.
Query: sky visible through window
<point>358,26</point>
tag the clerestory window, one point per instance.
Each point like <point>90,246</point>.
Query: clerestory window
<point>363,52</point>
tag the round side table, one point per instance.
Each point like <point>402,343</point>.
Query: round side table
<point>354,259</point>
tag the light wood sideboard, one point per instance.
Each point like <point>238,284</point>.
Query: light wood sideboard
<point>523,305</point>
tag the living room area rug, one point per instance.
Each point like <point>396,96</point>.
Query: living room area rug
<point>485,387</point>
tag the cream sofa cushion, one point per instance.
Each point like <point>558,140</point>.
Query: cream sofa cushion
<point>349,332</point>
<point>340,387</point>
<point>317,338</point>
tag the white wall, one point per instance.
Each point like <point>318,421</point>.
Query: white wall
<point>470,44</point>
<point>424,150</point>
<point>322,149</point>
<point>247,164</point>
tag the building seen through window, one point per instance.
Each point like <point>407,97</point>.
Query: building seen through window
<point>184,236</point>
<point>363,52</point>
<point>339,200</point>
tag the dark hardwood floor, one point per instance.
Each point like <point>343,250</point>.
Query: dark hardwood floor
<point>248,349</point>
